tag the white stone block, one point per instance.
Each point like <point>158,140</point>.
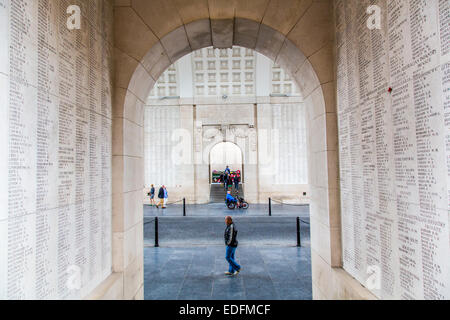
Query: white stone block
<point>176,44</point>
<point>246,33</point>
<point>269,42</point>
<point>222,33</point>
<point>199,34</point>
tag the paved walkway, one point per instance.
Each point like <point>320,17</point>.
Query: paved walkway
<point>281,273</point>
<point>219,209</point>
<point>190,263</point>
<point>207,231</point>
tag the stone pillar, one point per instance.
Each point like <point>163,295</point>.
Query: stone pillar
<point>186,170</point>
<point>263,76</point>
<point>185,75</point>
<point>201,168</point>
<point>128,178</point>
<point>251,174</point>
<point>128,174</point>
<point>266,155</point>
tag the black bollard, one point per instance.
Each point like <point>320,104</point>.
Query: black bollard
<point>184,207</point>
<point>156,233</point>
<point>299,243</point>
<point>270,207</point>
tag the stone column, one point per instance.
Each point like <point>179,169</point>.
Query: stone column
<point>186,170</point>
<point>201,168</point>
<point>251,174</point>
<point>128,173</point>
<point>266,155</point>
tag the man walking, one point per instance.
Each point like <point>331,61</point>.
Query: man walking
<point>232,244</point>
<point>152,195</point>
<point>161,198</point>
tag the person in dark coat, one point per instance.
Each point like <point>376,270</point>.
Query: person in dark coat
<point>161,196</point>
<point>225,180</point>
<point>231,242</point>
<point>237,180</point>
<point>230,181</point>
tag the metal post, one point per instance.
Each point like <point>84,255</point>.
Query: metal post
<point>299,243</point>
<point>184,207</point>
<point>270,207</point>
<point>156,233</point>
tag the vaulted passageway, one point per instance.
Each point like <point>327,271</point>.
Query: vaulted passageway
<point>72,96</point>
<point>150,36</point>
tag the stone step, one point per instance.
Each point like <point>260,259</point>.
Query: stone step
<point>218,193</point>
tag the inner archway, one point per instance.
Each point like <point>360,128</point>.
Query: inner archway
<point>244,112</point>
<point>235,95</point>
<point>223,155</point>
<point>73,127</point>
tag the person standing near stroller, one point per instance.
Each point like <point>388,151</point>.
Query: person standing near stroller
<point>232,244</point>
<point>237,180</point>
<point>225,180</point>
<point>230,182</point>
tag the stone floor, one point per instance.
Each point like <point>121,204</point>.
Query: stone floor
<point>280,273</point>
<point>207,231</point>
<point>190,262</point>
<point>219,209</point>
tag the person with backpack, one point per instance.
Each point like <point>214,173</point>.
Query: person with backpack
<point>151,194</point>
<point>161,198</point>
<point>231,244</point>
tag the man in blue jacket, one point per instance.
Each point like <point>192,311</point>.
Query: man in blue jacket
<point>232,244</point>
<point>231,199</point>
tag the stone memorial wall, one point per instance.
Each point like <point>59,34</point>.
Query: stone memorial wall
<point>291,163</point>
<point>161,125</point>
<point>393,91</point>
<point>55,132</point>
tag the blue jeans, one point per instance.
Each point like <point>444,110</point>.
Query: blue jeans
<point>234,266</point>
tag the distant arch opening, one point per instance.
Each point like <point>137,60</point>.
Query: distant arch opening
<point>223,155</point>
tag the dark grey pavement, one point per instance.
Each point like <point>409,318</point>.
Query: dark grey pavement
<point>206,231</point>
<point>281,273</point>
<point>190,263</point>
<point>220,209</point>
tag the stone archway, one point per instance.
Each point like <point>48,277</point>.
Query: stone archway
<point>297,35</point>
